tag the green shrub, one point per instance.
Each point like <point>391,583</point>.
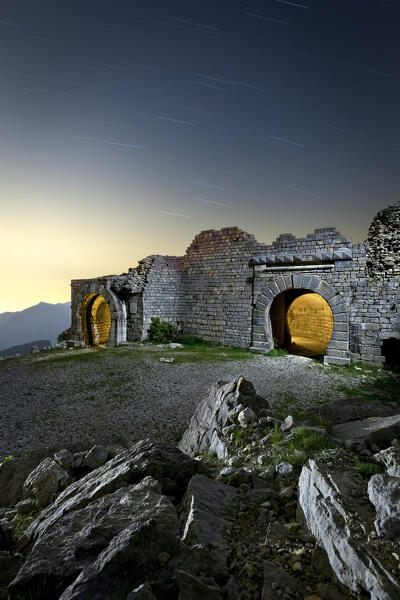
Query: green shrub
<point>161,331</point>
<point>63,336</point>
<point>7,458</point>
<point>367,469</point>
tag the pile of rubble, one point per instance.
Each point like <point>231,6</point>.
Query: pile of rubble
<point>248,507</point>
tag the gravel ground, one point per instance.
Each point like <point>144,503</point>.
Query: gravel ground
<point>55,402</point>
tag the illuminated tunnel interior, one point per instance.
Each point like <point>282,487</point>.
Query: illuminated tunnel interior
<point>302,322</point>
<point>96,320</point>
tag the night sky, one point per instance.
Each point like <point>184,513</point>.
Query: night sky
<point>127,127</point>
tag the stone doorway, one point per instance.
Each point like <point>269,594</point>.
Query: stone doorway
<point>302,322</point>
<point>95,319</point>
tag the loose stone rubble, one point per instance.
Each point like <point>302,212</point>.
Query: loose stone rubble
<point>243,514</point>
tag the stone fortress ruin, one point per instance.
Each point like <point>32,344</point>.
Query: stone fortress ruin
<point>318,295</point>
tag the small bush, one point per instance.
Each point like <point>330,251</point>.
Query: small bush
<point>63,336</point>
<point>7,458</point>
<point>367,469</point>
<point>161,331</point>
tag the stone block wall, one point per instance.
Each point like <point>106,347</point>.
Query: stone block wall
<point>218,286</point>
<point>163,295</point>
<point>223,287</point>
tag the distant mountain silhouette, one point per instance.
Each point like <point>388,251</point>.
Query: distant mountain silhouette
<point>4,317</point>
<point>24,349</point>
<point>43,321</point>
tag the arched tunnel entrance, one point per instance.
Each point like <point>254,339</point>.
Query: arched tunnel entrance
<point>95,319</point>
<point>302,322</point>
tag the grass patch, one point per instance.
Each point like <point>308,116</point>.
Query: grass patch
<point>277,352</point>
<point>380,385</point>
<point>356,369</point>
<point>239,436</point>
<point>210,353</point>
<point>192,340</point>
<point>288,404</point>
<point>193,352</point>
<point>299,448</point>
<point>366,469</point>
<point>22,522</point>
<point>276,436</point>
<point>78,355</point>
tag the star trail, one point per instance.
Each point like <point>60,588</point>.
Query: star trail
<point>127,128</point>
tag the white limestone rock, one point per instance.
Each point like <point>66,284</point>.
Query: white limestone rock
<point>329,501</point>
<point>216,411</point>
<point>384,493</point>
<point>246,417</point>
<point>390,457</point>
<point>284,469</point>
<point>45,482</point>
<point>287,424</point>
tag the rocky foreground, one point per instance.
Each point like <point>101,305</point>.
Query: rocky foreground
<point>248,507</point>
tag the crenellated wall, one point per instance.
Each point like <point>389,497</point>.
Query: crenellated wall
<point>223,288</point>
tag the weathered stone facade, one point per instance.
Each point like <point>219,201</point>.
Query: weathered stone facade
<point>223,289</point>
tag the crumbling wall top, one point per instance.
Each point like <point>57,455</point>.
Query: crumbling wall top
<point>383,243</point>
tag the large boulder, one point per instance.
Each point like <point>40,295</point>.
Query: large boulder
<point>371,432</point>
<point>390,457</point>
<point>9,566</point>
<point>45,482</point>
<point>384,493</point>
<point>338,515</point>
<point>121,532</point>
<point>111,531</point>
<point>215,411</point>
<point>352,409</point>
<point>205,518</point>
<point>168,465</point>
<point>13,473</point>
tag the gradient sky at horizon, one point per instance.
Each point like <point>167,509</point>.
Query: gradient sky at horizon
<point>129,127</point>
